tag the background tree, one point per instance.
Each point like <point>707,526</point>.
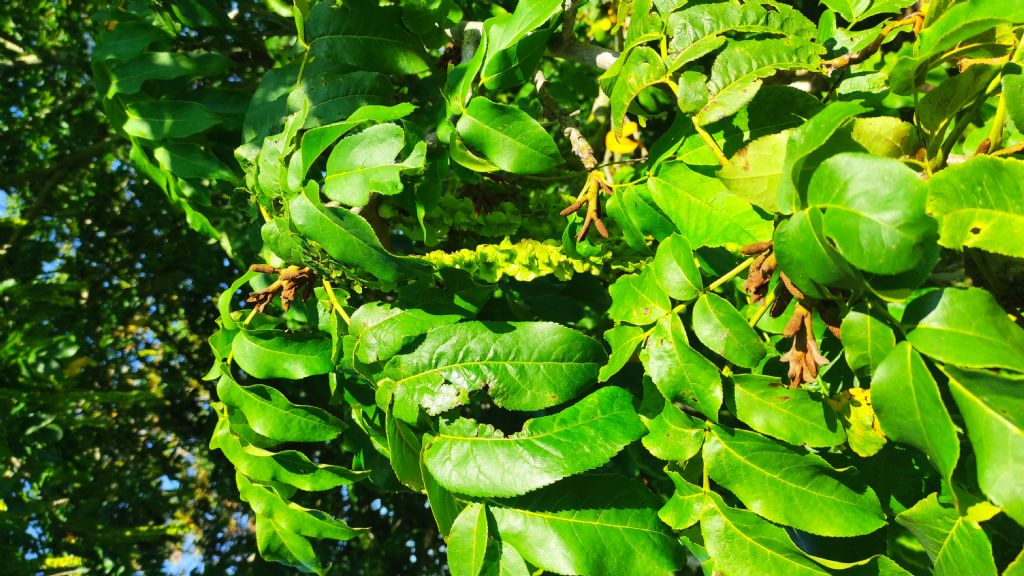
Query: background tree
<point>106,295</point>
<point>788,243</point>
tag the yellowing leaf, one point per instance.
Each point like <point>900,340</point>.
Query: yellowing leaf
<point>622,144</point>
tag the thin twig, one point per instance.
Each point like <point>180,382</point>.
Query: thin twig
<point>863,54</point>
<point>570,126</point>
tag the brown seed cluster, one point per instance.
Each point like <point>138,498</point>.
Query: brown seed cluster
<point>291,282</point>
<point>804,357</point>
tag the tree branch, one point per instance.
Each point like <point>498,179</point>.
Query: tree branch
<point>68,163</point>
<point>571,128</point>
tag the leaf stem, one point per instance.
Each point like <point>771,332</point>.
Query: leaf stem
<point>730,274</point>
<point>768,301</point>
<point>709,142</point>
<point>335,304</point>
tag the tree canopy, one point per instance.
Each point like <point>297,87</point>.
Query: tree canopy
<point>634,287</point>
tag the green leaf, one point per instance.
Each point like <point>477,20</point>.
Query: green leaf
<point>1013,91</point>
<point>789,487</point>
<point>505,31</point>
<point>804,140</point>
<point>737,72</point>
<point>955,544</point>
<point>938,107</point>
<point>187,160</point>
<point>992,408</point>
<point>366,37</point>
<point>346,237</point>
<point>318,139</point>
<point>874,211</point>
<point>679,372</point>
<point>676,270</point>
<point>290,517</point>
<point>160,119</point>
<point>286,467</point>
<point>795,416</point>
<point>644,25</point>
<point>980,204</point>
<point>673,434</point>
<point>965,327</point>
<point>502,357</point>
<point>478,460</point>
<point>366,162</point>
<point>443,504</point>
<point>624,340</point>
<point>703,211</point>
<point>127,77</point>
<point>720,327</point>
<point>867,340</point>
<point>642,68</point>
<point>957,24</point>
<point>404,448</point>
<point>467,542</point>
<point>280,354</point>
<point>381,331</point>
<point>638,299</point>
<point>127,40</point>
<point>511,563</point>
<point>848,9</point>
<point>698,30</point>
<point>755,171</point>
<point>886,136</point>
<point>632,209</point>
<point>279,239</point>
<point>270,414</point>
<point>740,542</point>
<point>275,544</point>
<point>508,137</point>
<point>582,525</point>
<point>515,65</point>
<point>685,506</point>
<point>910,410</point>
<point>461,81</point>
<point>808,258</point>
<point>332,96</point>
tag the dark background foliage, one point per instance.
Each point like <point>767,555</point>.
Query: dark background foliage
<point>105,295</point>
